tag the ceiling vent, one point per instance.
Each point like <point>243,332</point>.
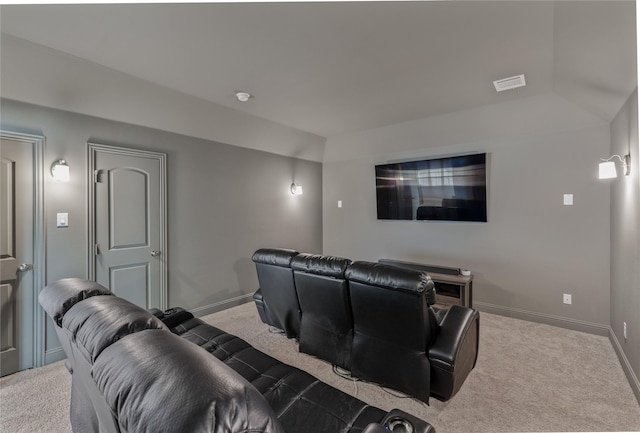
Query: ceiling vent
<point>509,83</point>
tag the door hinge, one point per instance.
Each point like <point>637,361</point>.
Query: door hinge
<point>96,249</point>
<point>96,176</point>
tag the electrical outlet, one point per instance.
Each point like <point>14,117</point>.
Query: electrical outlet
<point>566,298</point>
<point>624,330</point>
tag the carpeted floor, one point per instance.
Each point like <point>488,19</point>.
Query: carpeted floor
<point>36,401</point>
<point>529,378</point>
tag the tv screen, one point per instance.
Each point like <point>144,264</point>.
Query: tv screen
<point>441,189</point>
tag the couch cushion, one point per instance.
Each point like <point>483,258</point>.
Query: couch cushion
<point>98,322</point>
<point>301,402</point>
<point>389,277</point>
<point>157,382</point>
<point>329,266</point>
<point>274,256</point>
<point>57,298</point>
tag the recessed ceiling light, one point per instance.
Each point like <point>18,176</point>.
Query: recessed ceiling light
<point>243,96</point>
<point>509,83</point>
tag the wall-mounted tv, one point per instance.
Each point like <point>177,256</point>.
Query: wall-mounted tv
<point>439,189</point>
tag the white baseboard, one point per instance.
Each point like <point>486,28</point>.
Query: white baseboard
<point>222,305</point>
<point>626,365</point>
<point>573,324</point>
<point>549,319</point>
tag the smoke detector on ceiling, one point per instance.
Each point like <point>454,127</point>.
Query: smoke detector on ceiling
<point>509,83</point>
<point>243,96</point>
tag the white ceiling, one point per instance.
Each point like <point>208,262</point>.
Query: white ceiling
<point>336,68</point>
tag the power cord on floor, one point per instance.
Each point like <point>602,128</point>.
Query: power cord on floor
<point>274,330</point>
<point>402,395</point>
<point>346,374</point>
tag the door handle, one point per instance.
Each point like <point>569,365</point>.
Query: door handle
<point>25,267</point>
<point>155,253</point>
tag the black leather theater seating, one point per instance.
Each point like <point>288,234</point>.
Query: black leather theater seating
<point>374,319</point>
<point>283,311</point>
<point>130,373</point>
<point>392,329</point>
<point>326,328</point>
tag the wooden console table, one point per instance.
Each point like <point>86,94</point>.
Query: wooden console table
<point>452,288</point>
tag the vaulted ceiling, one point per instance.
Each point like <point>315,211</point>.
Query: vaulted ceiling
<point>338,67</point>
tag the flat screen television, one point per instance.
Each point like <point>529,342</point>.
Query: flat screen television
<point>440,189</point>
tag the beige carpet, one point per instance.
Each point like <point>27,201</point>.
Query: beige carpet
<point>36,401</point>
<point>529,378</point>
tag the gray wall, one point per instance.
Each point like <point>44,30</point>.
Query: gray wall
<point>224,202</point>
<point>42,76</point>
<point>625,242</point>
<point>533,248</point>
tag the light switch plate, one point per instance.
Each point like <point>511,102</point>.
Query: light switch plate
<point>62,220</point>
<point>568,199</point>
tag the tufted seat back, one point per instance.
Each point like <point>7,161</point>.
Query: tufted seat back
<point>131,374</point>
<point>155,381</point>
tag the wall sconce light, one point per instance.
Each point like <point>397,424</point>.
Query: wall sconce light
<point>60,171</point>
<point>296,189</point>
<point>607,168</point>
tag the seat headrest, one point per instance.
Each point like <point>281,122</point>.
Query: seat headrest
<point>390,277</point>
<point>274,256</point>
<point>100,321</point>
<point>158,382</point>
<point>321,265</point>
<point>57,298</point>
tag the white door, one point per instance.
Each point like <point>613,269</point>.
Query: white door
<point>129,227</point>
<point>20,325</point>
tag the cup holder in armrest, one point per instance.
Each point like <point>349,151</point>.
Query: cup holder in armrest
<point>156,312</point>
<point>172,317</point>
<point>398,421</point>
<point>398,425</point>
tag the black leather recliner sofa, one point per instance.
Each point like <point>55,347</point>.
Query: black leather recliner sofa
<point>392,330</point>
<point>326,328</point>
<point>134,371</point>
<point>283,311</point>
<point>376,320</point>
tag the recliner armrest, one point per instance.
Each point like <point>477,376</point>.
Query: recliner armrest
<point>375,428</point>
<point>393,422</point>
<point>454,352</point>
<point>454,327</point>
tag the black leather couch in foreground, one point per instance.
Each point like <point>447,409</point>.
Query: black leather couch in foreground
<point>134,371</point>
<point>376,320</point>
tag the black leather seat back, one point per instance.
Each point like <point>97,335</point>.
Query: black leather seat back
<point>97,322</point>
<point>391,326</point>
<point>131,374</point>
<point>326,328</point>
<point>275,278</point>
<point>58,297</point>
<point>201,393</point>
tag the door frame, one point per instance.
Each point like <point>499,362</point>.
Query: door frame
<point>92,150</point>
<point>32,346</point>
